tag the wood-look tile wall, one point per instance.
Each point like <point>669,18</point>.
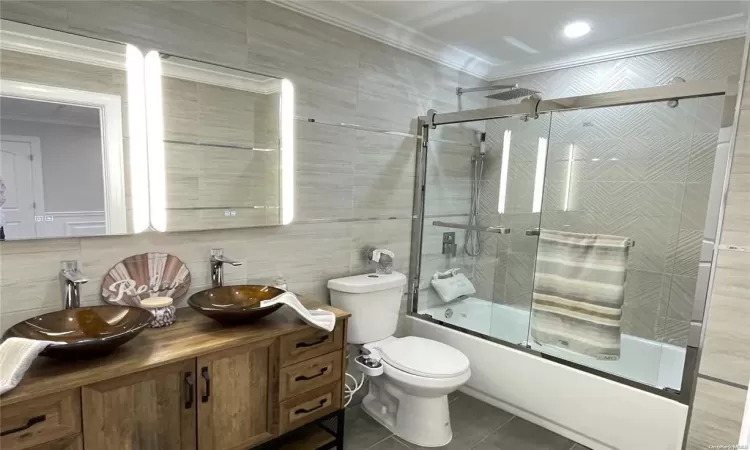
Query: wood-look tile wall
<point>724,370</point>
<point>362,177</point>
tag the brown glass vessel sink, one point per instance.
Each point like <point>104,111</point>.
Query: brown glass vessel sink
<point>231,305</point>
<point>83,332</point>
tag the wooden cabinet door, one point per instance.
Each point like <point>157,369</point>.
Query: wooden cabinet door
<point>149,410</point>
<point>238,396</point>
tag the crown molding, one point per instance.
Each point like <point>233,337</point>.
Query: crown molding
<point>352,18</point>
<point>501,73</point>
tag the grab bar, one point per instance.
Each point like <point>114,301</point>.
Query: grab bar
<point>491,229</point>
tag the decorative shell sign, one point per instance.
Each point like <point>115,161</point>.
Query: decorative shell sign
<point>144,276</point>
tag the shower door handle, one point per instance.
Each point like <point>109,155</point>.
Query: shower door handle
<point>532,232</point>
<point>499,230</point>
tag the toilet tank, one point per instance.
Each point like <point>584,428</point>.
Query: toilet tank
<point>373,299</point>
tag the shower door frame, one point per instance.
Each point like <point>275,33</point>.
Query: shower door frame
<point>531,108</point>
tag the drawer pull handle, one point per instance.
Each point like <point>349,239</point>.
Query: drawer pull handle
<point>207,389</point>
<point>188,390</point>
<point>306,378</point>
<point>306,411</point>
<point>29,423</point>
<point>313,343</point>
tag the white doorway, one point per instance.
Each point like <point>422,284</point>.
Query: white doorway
<point>21,171</point>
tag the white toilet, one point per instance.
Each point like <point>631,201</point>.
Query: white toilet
<point>410,398</point>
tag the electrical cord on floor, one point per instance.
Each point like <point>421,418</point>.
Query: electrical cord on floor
<point>349,392</point>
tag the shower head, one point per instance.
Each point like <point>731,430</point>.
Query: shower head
<point>512,94</point>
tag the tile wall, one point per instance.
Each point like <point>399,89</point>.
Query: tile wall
<point>353,188</point>
<point>724,369</point>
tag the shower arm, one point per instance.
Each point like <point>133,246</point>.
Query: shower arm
<point>460,90</point>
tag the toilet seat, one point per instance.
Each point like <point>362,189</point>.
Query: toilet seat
<point>424,358</point>
<point>418,382</point>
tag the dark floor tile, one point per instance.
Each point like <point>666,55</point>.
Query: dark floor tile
<point>389,444</point>
<point>471,420</point>
<point>519,434</point>
<point>362,431</point>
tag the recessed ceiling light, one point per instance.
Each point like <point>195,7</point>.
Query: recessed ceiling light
<point>576,29</point>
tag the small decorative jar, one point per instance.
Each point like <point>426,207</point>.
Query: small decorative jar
<point>161,309</point>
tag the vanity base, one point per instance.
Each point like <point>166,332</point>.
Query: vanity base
<point>323,434</point>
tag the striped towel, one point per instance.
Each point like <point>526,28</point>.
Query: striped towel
<point>579,289</point>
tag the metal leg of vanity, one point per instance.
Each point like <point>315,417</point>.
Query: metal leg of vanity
<point>326,433</point>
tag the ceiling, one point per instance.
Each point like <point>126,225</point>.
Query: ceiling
<point>497,39</point>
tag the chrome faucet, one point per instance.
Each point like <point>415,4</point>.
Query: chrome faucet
<point>217,266</point>
<point>71,280</point>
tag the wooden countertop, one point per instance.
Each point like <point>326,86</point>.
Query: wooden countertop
<point>190,336</point>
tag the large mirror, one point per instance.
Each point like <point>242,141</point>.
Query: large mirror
<point>227,147</point>
<point>64,136</point>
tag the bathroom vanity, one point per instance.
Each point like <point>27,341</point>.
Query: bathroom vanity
<point>191,385</point>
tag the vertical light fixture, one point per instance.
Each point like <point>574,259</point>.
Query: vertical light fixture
<point>287,151</point>
<point>571,151</point>
<point>504,172</point>
<point>541,159</point>
<point>155,124</point>
<point>138,158</point>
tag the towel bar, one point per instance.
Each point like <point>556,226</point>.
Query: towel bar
<point>491,229</point>
<point>535,232</point>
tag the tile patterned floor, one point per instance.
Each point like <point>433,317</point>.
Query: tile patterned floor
<point>476,426</point>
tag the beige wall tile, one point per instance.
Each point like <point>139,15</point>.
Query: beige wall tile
<point>210,31</point>
<point>324,148</point>
<point>716,416</point>
<point>725,352</point>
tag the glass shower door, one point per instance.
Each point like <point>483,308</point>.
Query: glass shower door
<point>483,195</point>
<point>516,192</point>
<point>643,173</point>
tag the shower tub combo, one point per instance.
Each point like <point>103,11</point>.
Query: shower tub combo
<point>542,172</point>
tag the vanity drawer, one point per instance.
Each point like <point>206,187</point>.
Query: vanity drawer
<point>309,406</point>
<point>311,374</point>
<point>310,343</point>
<point>40,421</point>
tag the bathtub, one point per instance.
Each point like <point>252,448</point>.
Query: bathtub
<point>641,360</point>
<point>597,412</point>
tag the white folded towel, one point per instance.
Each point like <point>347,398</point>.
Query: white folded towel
<point>319,318</point>
<point>16,355</point>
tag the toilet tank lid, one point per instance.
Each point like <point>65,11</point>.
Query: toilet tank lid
<point>369,282</point>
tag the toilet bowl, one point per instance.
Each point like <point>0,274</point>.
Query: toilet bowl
<point>410,396</point>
